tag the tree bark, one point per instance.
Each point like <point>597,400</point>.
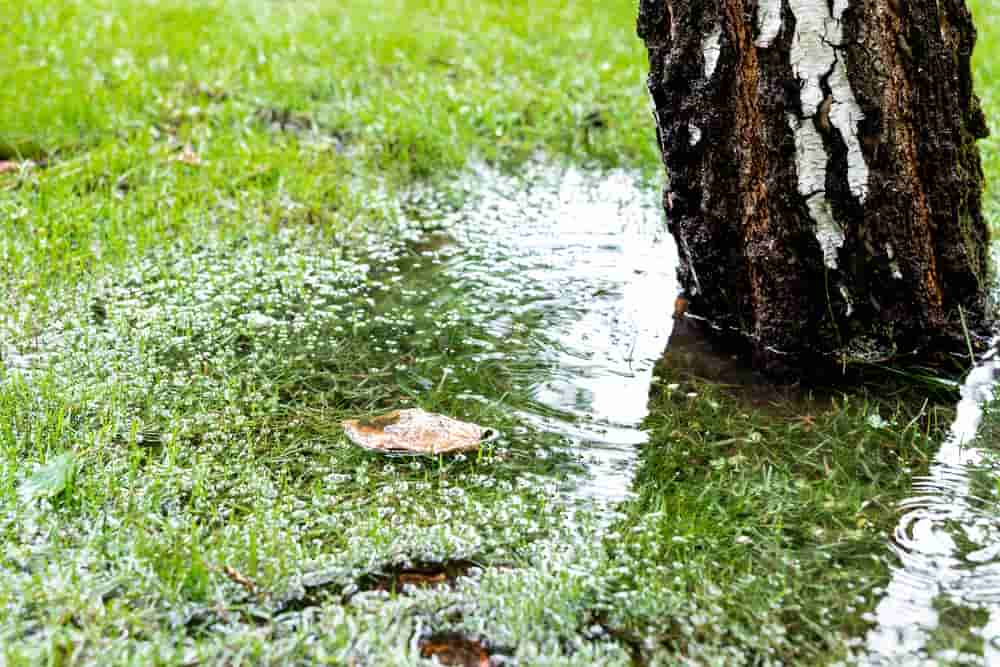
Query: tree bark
<point>824,182</point>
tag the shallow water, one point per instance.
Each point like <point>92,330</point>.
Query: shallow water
<point>948,547</point>
<point>560,279</point>
<point>588,257</point>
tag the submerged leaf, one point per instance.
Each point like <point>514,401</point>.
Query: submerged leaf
<point>414,431</point>
<point>455,650</point>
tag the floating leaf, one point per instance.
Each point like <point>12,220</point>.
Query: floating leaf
<point>415,431</point>
<point>51,479</point>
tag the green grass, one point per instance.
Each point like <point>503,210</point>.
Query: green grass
<point>201,266</point>
<point>369,93</point>
<point>774,513</point>
<point>986,68</point>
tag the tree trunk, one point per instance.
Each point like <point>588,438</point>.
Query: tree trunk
<point>824,182</point>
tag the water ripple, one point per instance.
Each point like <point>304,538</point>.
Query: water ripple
<point>947,543</point>
<point>589,258</point>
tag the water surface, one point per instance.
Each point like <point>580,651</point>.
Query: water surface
<point>947,544</point>
<point>587,256</point>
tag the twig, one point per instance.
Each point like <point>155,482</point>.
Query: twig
<point>241,579</point>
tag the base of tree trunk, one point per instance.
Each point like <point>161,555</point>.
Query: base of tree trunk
<point>824,178</point>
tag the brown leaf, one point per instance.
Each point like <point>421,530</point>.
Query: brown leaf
<point>452,650</point>
<point>414,431</point>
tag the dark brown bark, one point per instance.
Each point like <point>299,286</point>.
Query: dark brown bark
<point>879,258</point>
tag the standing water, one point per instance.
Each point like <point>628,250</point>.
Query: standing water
<point>590,260</point>
<point>948,545</point>
<point>548,296</point>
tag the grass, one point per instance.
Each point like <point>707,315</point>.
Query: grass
<point>285,104</point>
<point>216,256</point>
<point>774,513</point>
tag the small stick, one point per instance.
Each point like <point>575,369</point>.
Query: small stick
<point>239,578</point>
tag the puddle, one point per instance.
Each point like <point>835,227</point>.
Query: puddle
<point>548,295</point>
<point>695,356</point>
<point>588,260</point>
<point>948,546</point>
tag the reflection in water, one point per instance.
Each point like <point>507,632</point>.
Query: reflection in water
<point>948,545</point>
<point>697,354</point>
<point>589,259</point>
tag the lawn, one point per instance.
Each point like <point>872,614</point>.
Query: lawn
<point>208,263</point>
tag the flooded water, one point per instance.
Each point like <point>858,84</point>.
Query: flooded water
<point>590,260</point>
<point>561,283</point>
<point>948,548</point>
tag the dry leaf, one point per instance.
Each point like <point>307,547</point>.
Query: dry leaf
<point>415,431</point>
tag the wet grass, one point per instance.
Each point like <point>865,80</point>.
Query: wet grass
<point>285,111</point>
<point>773,518</point>
<point>986,68</point>
<point>206,268</point>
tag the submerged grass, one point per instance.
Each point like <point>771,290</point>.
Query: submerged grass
<point>206,269</point>
<point>774,518</point>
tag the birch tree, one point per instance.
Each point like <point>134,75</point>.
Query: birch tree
<point>824,181</point>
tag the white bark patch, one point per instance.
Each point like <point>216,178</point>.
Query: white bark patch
<point>768,22</point>
<point>694,134</point>
<point>814,56</point>
<point>828,232</point>
<point>810,160</point>
<point>845,114</point>
<point>810,157</point>
<point>818,34</point>
<point>711,47</point>
<point>839,7</point>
